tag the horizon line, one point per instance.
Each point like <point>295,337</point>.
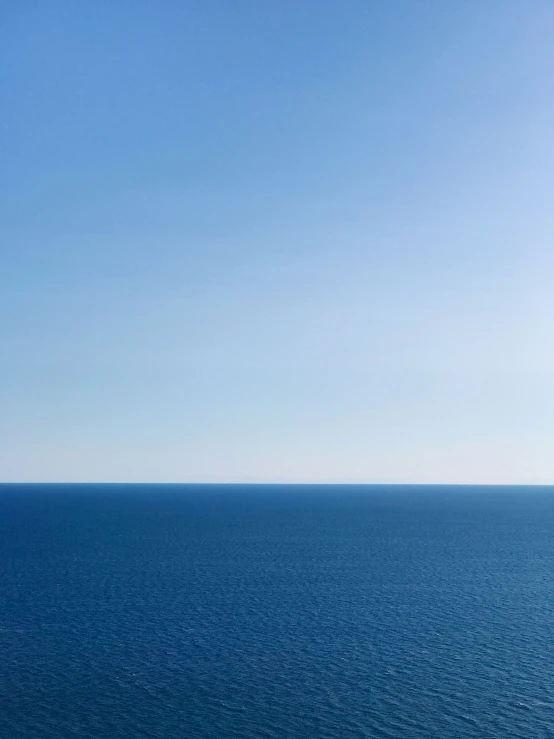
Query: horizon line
<point>277,484</point>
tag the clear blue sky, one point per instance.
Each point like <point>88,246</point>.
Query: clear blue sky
<point>277,241</point>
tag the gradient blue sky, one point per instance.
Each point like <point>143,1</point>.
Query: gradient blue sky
<point>277,241</point>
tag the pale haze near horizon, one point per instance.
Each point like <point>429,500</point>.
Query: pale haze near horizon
<point>290,241</point>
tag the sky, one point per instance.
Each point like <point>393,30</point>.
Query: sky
<point>293,241</point>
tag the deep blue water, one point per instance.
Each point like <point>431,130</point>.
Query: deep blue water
<point>177,611</point>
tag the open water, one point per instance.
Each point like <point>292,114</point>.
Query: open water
<point>205,611</point>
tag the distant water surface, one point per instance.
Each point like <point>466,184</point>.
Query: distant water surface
<point>205,611</point>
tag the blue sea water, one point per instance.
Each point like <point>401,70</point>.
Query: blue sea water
<point>183,611</point>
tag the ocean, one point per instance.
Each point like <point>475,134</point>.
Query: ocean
<point>276,611</point>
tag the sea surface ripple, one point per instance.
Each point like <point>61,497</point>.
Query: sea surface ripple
<point>228,611</point>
